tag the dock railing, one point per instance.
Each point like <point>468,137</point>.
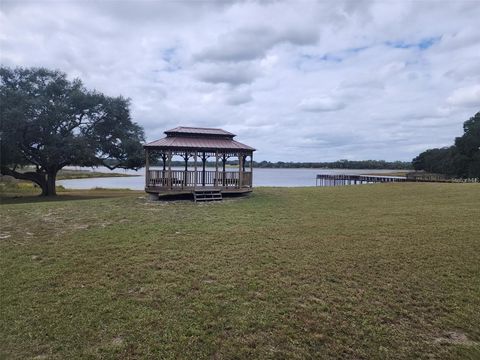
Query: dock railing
<point>342,179</point>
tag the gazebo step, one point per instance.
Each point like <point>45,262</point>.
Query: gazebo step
<point>207,195</point>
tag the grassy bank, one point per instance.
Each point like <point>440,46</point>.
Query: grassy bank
<point>85,174</point>
<point>365,272</point>
<point>64,174</point>
<point>10,187</point>
<point>27,191</point>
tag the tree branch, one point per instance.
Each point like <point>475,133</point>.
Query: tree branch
<point>37,178</point>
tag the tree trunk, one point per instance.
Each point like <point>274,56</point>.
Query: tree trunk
<point>49,189</point>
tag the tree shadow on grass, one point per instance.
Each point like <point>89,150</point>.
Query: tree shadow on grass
<point>8,199</point>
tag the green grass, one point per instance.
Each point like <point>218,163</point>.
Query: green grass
<point>386,271</point>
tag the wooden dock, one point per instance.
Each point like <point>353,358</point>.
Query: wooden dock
<point>342,179</point>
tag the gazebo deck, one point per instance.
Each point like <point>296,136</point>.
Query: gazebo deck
<point>190,190</point>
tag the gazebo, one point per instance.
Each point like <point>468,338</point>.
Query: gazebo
<point>199,145</point>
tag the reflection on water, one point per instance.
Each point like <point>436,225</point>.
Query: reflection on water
<point>261,177</point>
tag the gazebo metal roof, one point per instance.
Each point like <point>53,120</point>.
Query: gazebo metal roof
<point>184,130</point>
<point>198,139</point>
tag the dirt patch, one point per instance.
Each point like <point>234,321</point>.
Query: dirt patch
<point>40,357</point>
<point>117,341</point>
<point>455,338</point>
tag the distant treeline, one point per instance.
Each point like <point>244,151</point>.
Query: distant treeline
<point>461,160</point>
<point>340,164</point>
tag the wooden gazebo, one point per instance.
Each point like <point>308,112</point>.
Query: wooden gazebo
<point>198,144</point>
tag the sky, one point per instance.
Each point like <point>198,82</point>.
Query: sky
<point>297,80</point>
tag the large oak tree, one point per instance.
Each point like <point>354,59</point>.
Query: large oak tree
<point>48,122</point>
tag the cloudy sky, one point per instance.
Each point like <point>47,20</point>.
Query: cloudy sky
<point>298,80</point>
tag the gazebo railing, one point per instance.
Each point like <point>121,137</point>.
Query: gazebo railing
<point>185,179</point>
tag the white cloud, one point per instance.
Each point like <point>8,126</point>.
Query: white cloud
<point>297,80</point>
<point>239,98</point>
<point>253,43</point>
<point>321,104</point>
<point>467,96</point>
<point>231,73</point>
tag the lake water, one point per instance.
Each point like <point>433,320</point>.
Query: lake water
<point>261,177</point>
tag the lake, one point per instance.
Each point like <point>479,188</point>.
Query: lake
<point>261,177</point>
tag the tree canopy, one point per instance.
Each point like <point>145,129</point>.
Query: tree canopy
<point>459,160</point>
<point>49,122</point>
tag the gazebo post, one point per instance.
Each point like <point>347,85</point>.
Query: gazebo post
<point>240,173</point>
<point>216,169</point>
<point>195,168</point>
<point>170,183</point>
<point>185,174</point>
<point>204,160</point>
<point>224,161</point>
<point>251,169</point>
<point>147,168</point>
<point>164,162</point>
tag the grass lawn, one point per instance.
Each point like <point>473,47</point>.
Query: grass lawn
<point>386,271</point>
